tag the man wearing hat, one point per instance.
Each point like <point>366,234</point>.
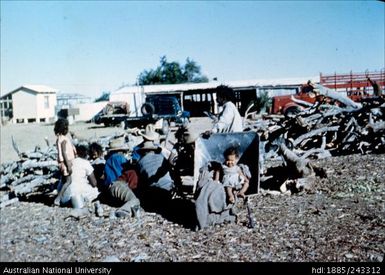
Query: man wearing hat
<point>115,160</point>
<point>117,189</point>
<point>149,134</point>
<point>156,185</point>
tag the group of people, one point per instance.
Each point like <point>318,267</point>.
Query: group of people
<point>149,175</point>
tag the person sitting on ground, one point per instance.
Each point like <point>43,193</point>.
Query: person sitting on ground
<point>66,154</point>
<point>95,152</point>
<point>155,183</point>
<point>182,155</point>
<point>149,134</point>
<point>116,188</point>
<point>82,189</point>
<point>115,160</point>
<point>98,162</point>
<point>210,198</point>
<point>234,180</point>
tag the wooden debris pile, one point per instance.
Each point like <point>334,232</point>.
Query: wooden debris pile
<point>334,125</point>
<point>34,170</point>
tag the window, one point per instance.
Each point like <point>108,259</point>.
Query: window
<point>46,102</point>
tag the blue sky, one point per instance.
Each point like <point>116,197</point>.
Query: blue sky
<point>93,46</point>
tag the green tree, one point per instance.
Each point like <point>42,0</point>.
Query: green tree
<point>172,73</point>
<point>192,72</point>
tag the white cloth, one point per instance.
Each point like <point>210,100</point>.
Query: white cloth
<point>99,160</point>
<point>232,177</point>
<point>229,120</point>
<point>81,169</point>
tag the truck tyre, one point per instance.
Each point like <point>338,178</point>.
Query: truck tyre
<point>147,109</point>
<point>292,111</point>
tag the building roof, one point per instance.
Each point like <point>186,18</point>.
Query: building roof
<point>71,96</point>
<point>39,89</point>
<point>272,82</point>
<point>212,85</point>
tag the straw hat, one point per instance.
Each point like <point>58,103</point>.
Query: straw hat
<point>149,145</point>
<point>149,133</point>
<point>117,144</point>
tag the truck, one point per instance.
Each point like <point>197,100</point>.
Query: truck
<point>155,108</point>
<point>355,85</point>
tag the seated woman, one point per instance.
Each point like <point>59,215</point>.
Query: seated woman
<point>210,204</point>
<point>82,188</point>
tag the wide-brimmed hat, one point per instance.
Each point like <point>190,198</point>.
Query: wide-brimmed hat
<point>149,145</point>
<point>117,144</point>
<point>149,133</point>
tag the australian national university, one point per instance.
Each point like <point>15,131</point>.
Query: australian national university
<point>56,270</point>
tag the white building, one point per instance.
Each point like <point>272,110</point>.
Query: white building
<point>199,97</point>
<point>32,103</point>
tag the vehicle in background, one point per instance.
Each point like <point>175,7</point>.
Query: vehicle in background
<point>114,113</point>
<point>284,104</point>
<point>356,86</point>
<point>154,109</point>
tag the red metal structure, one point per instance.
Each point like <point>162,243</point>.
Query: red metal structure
<point>355,85</point>
<point>353,82</point>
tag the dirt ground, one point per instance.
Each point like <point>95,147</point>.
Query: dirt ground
<point>342,219</point>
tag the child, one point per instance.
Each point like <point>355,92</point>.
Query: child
<point>65,148</point>
<point>66,154</point>
<point>234,179</point>
<point>97,161</point>
<point>96,153</point>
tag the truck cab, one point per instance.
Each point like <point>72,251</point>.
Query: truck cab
<point>284,104</point>
<point>166,107</point>
<point>154,109</point>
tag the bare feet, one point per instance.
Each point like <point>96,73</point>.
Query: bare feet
<point>231,198</point>
<point>241,195</point>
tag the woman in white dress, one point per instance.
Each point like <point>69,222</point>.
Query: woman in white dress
<point>82,188</point>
